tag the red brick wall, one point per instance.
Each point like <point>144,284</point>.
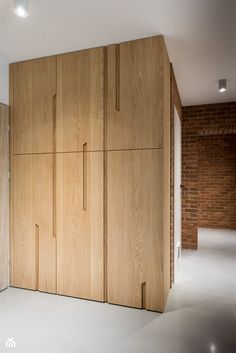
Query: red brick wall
<point>217,182</point>
<point>209,169</point>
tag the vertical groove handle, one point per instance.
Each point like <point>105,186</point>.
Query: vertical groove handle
<point>117,77</point>
<point>54,163</point>
<point>36,256</point>
<point>54,121</point>
<point>143,295</point>
<point>54,195</point>
<point>85,176</point>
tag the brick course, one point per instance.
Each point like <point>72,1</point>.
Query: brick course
<point>208,169</point>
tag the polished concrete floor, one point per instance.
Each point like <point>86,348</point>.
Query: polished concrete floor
<point>200,315</point>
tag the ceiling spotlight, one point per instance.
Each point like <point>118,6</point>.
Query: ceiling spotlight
<point>21,8</point>
<point>222,85</point>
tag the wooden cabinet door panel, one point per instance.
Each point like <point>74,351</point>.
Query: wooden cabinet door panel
<point>43,217</point>
<point>80,100</point>
<point>135,94</point>
<point>34,85</point>
<point>134,228</point>
<point>80,225</point>
<point>34,248</point>
<point>23,255</point>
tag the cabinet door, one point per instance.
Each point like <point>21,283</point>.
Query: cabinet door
<point>34,247</point>
<point>134,228</point>
<point>135,94</point>
<point>80,225</point>
<point>80,100</point>
<point>34,86</point>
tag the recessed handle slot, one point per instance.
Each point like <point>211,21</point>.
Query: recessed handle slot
<point>36,257</point>
<point>143,295</point>
<point>85,176</point>
<point>117,77</point>
<point>54,162</point>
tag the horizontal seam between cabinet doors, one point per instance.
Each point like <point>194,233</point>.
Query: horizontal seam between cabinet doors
<point>35,153</point>
<point>92,151</point>
<point>135,149</point>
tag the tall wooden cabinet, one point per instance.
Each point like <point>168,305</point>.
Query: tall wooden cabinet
<point>90,174</point>
<point>79,174</point>
<point>138,175</point>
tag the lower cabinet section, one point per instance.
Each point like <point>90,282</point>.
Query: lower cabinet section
<point>135,228</point>
<point>80,238</point>
<point>58,242</point>
<point>33,244</point>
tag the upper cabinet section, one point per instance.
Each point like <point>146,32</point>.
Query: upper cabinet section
<point>33,89</point>
<point>135,94</point>
<point>59,102</point>
<point>80,101</point>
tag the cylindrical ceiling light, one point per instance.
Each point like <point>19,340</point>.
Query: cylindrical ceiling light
<point>222,85</point>
<point>21,8</point>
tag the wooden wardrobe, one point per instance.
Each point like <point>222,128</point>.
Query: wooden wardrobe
<point>90,174</point>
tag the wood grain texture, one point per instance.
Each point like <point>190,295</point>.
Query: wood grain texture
<point>135,228</point>
<point>80,232</point>
<point>43,216</point>
<point>80,103</point>
<point>34,246</point>
<point>4,197</point>
<point>166,177</point>
<point>138,120</point>
<point>34,85</point>
<point>23,261</point>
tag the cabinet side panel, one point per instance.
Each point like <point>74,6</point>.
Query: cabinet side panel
<point>166,177</point>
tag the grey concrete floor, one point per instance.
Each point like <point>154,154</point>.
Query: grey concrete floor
<point>200,314</point>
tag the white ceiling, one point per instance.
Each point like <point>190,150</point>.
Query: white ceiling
<point>200,35</point>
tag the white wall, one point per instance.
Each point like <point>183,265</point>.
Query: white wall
<point>177,188</point>
<point>4,81</point>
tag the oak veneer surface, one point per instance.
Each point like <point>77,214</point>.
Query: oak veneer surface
<point>166,175</point>
<point>80,100</point>
<point>135,228</point>
<point>34,247</point>
<point>34,86</point>
<point>135,94</point>
<point>4,197</point>
<point>80,241</point>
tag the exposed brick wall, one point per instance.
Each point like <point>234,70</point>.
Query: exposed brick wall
<point>208,169</point>
<point>217,182</point>
<point>175,102</point>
